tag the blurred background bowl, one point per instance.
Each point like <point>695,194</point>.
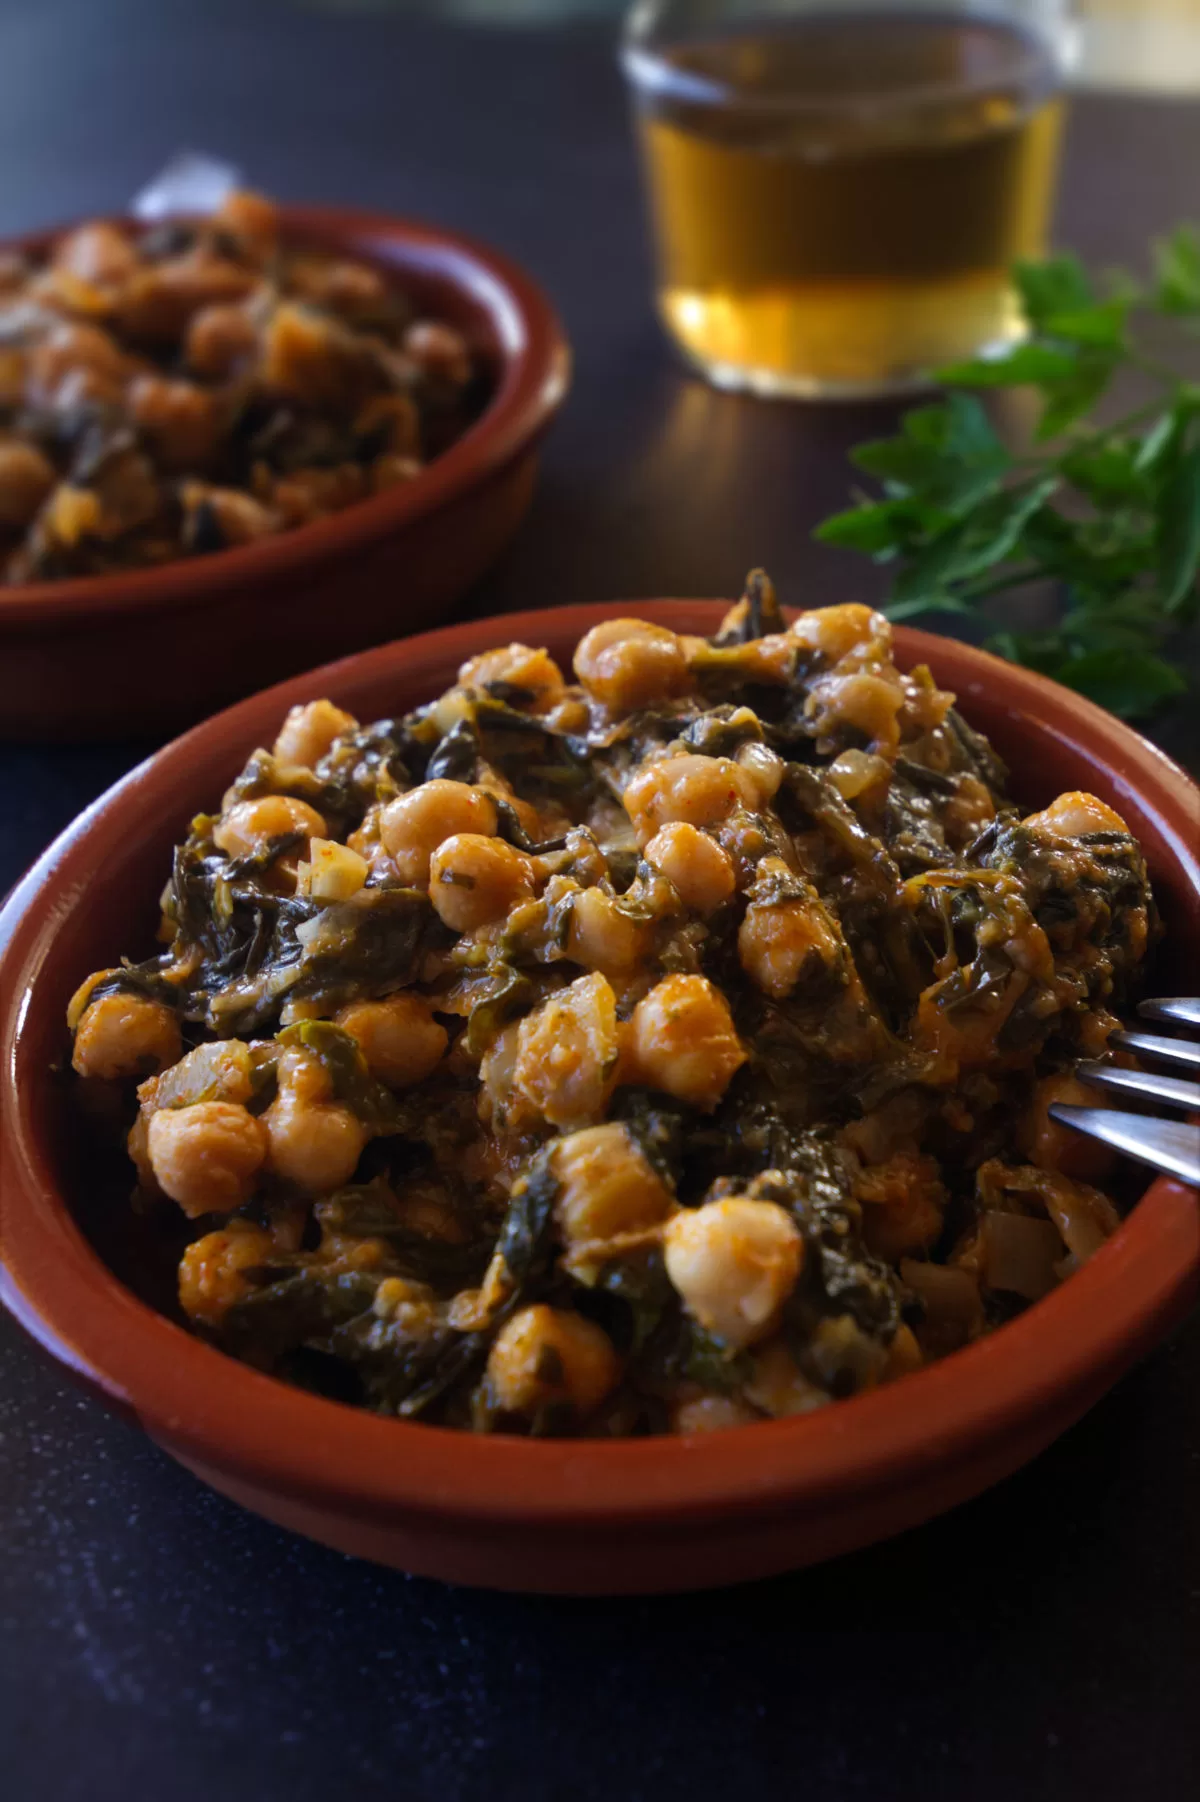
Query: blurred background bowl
<point>577,1516</point>
<point>144,651</point>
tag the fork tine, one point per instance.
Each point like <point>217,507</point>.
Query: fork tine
<point>1172,1146</point>
<point>1167,1051</point>
<point>1179,1010</point>
<point>1171,1090</point>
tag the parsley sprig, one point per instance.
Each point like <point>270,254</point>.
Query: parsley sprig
<point>1108,514</point>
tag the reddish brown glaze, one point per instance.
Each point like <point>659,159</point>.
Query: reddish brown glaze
<point>141,651</point>
<point>570,1515</point>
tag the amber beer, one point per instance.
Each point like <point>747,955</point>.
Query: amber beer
<point>837,200</point>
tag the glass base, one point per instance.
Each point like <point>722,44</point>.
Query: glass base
<point>770,384</point>
<point>846,342</point>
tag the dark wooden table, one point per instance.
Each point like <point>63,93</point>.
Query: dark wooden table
<point>1042,1642</point>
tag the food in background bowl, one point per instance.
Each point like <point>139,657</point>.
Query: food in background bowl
<point>669,1051</point>
<point>200,385</point>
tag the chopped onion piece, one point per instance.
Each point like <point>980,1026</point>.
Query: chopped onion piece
<point>951,1296</point>
<point>1083,1216</point>
<point>1020,1254</point>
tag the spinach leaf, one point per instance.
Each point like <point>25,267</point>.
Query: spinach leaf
<point>368,945</point>
<point>340,1054</point>
<point>526,1241</point>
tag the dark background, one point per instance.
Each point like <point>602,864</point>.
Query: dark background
<point>1042,1642</point>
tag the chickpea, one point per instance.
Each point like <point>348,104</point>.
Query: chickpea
<point>967,812</point>
<point>251,220</point>
<point>544,1356</point>
<point>475,880</point>
<point>765,769</point>
<point>98,254</point>
<point>1054,1147</point>
<point>904,1203</point>
<point>237,518</point>
<point>218,339</point>
<point>125,1035</point>
<point>304,358</point>
<point>83,994</point>
<point>862,702</point>
<point>734,1263</point>
<point>711,1414</point>
<point>779,942</point>
<point>410,1306</point>
<point>392,422</point>
<point>413,826</point>
<point>626,664</point>
<point>73,346</point>
<point>71,514</point>
<point>248,825</point>
<point>684,1040</point>
<point>391,468</point>
<point>81,390</point>
<point>349,288</point>
<point>207,1157</point>
<point>536,824</point>
<point>839,632</point>
<point>606,1185</point>
<point>601,936</point>
<point>127,488</point>
<point>1075,814</point>
<point>440,351</point>
<point>399,1037</point>
<point>307,494</point>
<point>570,715</point>
<point>313,1142</point>
<point>567,1052</point>
<point>211,1271</point>
<point>518,666</point>
<point>157,304</point>
<point>694,864</point>
<point>12,368</point>
<point>779,1387</point>
<point>701,791</point>
<point>309,731</point>
<point>181,421</point>
<point>26,479</point>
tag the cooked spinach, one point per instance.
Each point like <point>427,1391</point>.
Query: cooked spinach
<point>892,996</point>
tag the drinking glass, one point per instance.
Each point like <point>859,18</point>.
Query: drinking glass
<point>839,187</point>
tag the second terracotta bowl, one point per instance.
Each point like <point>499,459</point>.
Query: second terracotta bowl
<point>572,1516</point>
<point>118,655</point>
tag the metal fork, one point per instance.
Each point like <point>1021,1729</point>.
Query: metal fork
<point>1172,1146</point>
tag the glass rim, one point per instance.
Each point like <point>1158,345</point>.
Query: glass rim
<point>647,69</point>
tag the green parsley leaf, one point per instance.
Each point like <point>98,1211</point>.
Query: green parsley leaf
<point>1179,536</point>
<point>1102,324</point>
<point>950,453</point>
<point>1106,518</point>
<point>880,528</point>
<point>1177,271</point>
<point>1025,365</point>
<point>1129,683</point>
<point>1048,289</point>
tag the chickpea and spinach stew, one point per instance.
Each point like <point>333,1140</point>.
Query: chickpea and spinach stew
<point>202,385</point>
<point>660,1052</point>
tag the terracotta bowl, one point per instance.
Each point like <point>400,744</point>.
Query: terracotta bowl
<point>115,655</point>
<point>637,1515</point>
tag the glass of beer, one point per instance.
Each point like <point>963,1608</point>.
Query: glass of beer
<point>839,187</point>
